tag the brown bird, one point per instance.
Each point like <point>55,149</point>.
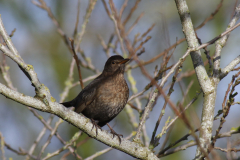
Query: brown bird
<point>105,97</point>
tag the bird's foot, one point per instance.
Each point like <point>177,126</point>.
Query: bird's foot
<point>115,134</point>
<point>96,126</point>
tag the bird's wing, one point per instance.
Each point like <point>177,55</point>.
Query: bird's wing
<point>87,96</point>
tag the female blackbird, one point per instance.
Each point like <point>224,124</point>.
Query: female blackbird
<point>105,97</point>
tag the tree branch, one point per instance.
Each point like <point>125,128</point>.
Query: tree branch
<point>192,41</point>
<point>41,91</point>
<point>229,67</point>
<point>208,87</point>
<point>84,124</point>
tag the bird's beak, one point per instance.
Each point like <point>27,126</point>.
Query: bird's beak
<point>124,61</point>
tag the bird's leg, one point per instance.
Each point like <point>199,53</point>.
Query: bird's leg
<point>96,126</point>
<point>114,133</point>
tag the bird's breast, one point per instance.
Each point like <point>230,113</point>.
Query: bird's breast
<point>111,98</point>
<point>114,92</point>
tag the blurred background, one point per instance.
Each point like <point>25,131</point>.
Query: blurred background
<point>40,45</point>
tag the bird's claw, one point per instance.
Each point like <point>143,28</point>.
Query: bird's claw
<point>118,135</point>
<point>96,126</point>
<point>115,134</point>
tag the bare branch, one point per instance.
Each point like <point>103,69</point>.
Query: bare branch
<point>211,16</point>
<point>103,151</point>
<point>79,36</point>
<point>41,134</point>
<point>41,91</point>
<point>221,43</point>
<point>155,140</point>
<point>4,70</point>
<point>77,19</point>
<point>19,152</point>
<point>192,143</point>
<point>2,146</point>
<point>67,145</point>
<point>192,41</point>
<point>50,137</point>
<point>227,150</point>
<point>77,62</point>
<point>131,148</point>
<point>44,6</point>
<point>229,67</point>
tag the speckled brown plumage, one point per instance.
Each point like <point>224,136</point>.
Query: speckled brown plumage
<point>106,96</point>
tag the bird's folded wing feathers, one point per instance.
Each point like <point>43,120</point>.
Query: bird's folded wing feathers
<point>86,97</point>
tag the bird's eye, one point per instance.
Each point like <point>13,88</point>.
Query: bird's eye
<point>113,62</point>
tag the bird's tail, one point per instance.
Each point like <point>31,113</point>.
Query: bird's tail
<point>68,104</point>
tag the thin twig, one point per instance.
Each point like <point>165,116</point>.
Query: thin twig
<point>74,139</point>
<point>77,19</point>
<point>41,134</point>
<point>77,62</point>
<point>97,154</point>
<point>168,151</point>
<point>227,150</point>
<point>226,105</point>
<point>131,12</point>
<point>19,152</point>
<point>4,70</point>
<point>79,37</point>
<point>2,146</point>
<point>123,8</point>
<point>50,137</point>
<point>44,6</point>
<point>211,16</point>
<point>155,140</point>
<point>78,144</point>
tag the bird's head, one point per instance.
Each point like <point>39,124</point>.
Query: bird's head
<point>115,63</point>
